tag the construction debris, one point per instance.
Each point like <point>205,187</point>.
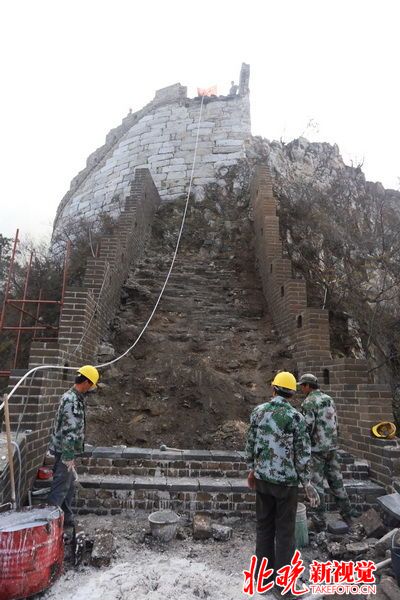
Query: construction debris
<point>372,523</point>
<point>338,528</point>
<point>79,542</point>
<point>221,533</point>
<point>201,526</point>
<point>385,543</point>
<point>357,550</point>
<point>102,548</point>
<point>389,587</point>
<point>336,550</point>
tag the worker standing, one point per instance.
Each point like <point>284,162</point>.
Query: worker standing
<point>278,454</point>
<point>68,440</point>
<point>320,414</point>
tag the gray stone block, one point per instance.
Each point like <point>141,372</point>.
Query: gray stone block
<point>196,455</point>
<point>221,533</point>
<point>201,527</point>
<point>211,484</point>
<point>183,484</point>
<point>93,483</point>
<point>239,486</point>
<point>389,586</point>
<point>225,455</point>
<point>372,523</point>
<point>116,483</point>
<point>102,549</point>
<point>338,528</point>
<point>158,483</point>
<point>385,543</point>
<point>391,504</point>
<point>140,453</point>
<point>108,452</point>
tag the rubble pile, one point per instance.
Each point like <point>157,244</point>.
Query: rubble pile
<point>222,547</point>
<point>368,538</point>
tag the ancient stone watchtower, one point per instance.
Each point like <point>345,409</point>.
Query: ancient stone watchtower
<point>162,137</point>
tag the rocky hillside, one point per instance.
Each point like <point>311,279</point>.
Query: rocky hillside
<point>209,354</point>
<point>343,235</point>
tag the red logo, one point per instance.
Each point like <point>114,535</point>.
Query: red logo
<point>328,578</point>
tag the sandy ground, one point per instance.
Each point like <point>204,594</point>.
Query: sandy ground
<point>142,569</point>
<point>184,569</point>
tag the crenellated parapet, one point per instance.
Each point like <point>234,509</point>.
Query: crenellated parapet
<point>360,402</point>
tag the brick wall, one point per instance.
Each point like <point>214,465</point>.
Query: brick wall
<point>360,403</point>
<point>117,478</point>
<point>84,318</point>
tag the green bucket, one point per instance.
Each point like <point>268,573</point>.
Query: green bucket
<point>301,529</point>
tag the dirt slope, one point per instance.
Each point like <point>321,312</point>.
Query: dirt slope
<point>207,357</point>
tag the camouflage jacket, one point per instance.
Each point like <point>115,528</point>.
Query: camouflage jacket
<point>320,414</point>
<point>278,445</point>
<point>69,426</point>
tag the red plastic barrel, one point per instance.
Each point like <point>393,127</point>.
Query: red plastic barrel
<point>31,551</point>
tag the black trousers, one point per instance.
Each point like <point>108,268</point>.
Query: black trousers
<point>62,489</point>
<point>276,507</point>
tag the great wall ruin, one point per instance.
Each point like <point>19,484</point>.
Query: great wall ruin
<point>145,163</point>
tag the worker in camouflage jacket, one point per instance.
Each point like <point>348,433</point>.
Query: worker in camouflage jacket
<point>278,451</point>
<point>68,440</point>
<point>320,414</point>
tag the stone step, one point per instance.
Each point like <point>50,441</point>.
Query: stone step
<point>122,461</point>
<point>113,494</point>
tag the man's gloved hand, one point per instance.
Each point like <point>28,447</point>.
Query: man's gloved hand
<point>312,495</point>
<point>70,464</point>
<point>251,480</point>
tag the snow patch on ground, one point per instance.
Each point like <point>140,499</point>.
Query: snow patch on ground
<point>158,578</point>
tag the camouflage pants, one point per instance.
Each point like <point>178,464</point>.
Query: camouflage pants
<point>325,465</point>
<point>62,489</point>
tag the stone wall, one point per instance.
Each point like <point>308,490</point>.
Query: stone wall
<point>113,479</point>
<point>84,318</point>
<point>162,138</point>
<point>360,403</point>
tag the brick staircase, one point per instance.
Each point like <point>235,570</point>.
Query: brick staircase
<point>116,478</point>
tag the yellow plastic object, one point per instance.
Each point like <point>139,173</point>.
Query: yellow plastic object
<point>90,373</point>
<point>284,379</point>
<point>385,430</point>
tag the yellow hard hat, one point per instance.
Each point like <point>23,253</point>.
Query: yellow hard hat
<point>385,430</point>
<point>286,380</point>
<point>90,373</point>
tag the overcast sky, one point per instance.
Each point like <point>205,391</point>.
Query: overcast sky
<point>72,69</point>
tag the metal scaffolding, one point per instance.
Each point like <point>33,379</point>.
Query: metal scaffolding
<point>28,307</point>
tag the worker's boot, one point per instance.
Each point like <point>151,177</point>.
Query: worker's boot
<point>349,516</point>
<point>319,522</point>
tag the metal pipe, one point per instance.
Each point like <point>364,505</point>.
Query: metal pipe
<point>37,312</point>
<point>34,328</point>
<point>25,312</point>
<point>10,450</point>
<point>383,563</point>
<point>66,260</point>
<point>21,317</point>
<point>7,288</point>
<point>33,301</point>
